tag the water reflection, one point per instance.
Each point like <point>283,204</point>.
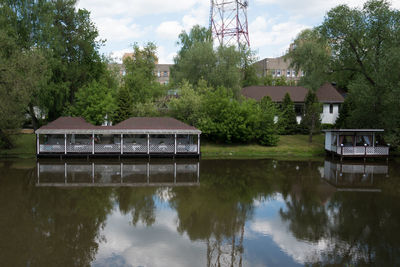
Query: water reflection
<point>244,213</point>
<point>105,173</point>
<point>356,176</point>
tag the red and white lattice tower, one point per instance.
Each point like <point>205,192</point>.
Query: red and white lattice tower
<point>228,22</point>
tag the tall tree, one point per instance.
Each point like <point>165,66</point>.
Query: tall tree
<point>124,105</point>
<point>358,49</point>
<point>287,122</point>
<point>312,118</point>
<point>140,78</point>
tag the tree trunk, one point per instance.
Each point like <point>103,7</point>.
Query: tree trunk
<point>311,128</point>
<point>35,122</point>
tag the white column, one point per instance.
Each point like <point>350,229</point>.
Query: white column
<point>198,144</point>
<point>92,143</point>
<point>148,144</point>
<point>122,144</point>
<point>37,144</point>
<point>175,145</point>
<point>65,143</point>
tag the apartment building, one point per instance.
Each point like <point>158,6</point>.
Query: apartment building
<point>278,67</point>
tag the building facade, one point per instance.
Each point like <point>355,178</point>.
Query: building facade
<point>278,67</point>
<point>330,98</point>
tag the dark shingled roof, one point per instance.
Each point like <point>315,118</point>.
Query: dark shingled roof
<point>135,123</point>
<point>326,93</point>
<point>73,123</point>
<point>153,123</point>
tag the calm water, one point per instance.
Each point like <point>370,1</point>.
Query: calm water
<point>207,213</point>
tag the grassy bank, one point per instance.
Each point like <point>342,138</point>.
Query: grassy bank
<point>24,147</point>
<point>290,146</point>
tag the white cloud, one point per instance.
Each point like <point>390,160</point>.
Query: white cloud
<point>135,8</point>
<point>118,29</point>
<point>279,35</point>
<point>169,30</point>
<point>315,7</point>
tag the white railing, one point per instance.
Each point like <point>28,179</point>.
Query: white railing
<point>127,148</point>
<point>162,148</point>
<point>107,148</point>
<point>186,148</point>
<point>135,148</point>
<point>51,148</point>
<point>79,148</point>
<point>361,150</point>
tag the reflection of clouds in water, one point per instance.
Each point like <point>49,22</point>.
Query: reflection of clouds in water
<point>158,245</point>
<point>300,251</point>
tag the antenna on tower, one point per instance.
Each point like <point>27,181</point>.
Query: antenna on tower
<point>228,22</point>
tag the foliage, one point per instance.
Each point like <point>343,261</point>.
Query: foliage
<point>140,78</point>
<point>21,76</point>
<point>124,105</point>
<point>224,66</point>
<point>68,41</point>
<point>358,49</point>
<point>94,102</point>
<point>146,109</point>
<point>311,54</point>
<point>311,121</point>
<point>223,118</point>
<point>287,122</point>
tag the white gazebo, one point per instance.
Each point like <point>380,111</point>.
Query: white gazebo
<point>355,143</point>
<point>140,136</point>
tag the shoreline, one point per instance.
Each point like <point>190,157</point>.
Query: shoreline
<point>289,147</point>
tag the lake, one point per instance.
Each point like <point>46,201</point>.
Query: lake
<point>186,212</point>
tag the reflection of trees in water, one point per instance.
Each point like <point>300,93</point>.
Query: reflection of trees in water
<point>216,212</point>
<point>357,228</point>
<point>139,202</point>
<point>48,226</point>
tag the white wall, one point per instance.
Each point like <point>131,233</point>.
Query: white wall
<point>327,117</point>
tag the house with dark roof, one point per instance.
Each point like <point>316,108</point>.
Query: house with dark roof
<point>135,136</point>
<point>330,98</point>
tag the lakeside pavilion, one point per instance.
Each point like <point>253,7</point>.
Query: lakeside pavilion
<point>352,143</point>
<point>136,136</point>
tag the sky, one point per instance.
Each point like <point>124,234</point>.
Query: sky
<point>273,24</point>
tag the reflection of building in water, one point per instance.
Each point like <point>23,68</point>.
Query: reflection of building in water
<point>97,173</point>
<point>353,176</point>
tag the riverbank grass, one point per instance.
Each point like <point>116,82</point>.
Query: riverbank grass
<point>289,146</point>
<point>25,147</point>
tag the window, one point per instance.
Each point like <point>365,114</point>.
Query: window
<point>288,73</point>
<point>273,72</point>
<point>302,73</point>
<point>165,74</point>
<point>293,73</point>
<point>330,108</point>
<point>298,109</point>
<point>278,73</point>
<point>158,73</point>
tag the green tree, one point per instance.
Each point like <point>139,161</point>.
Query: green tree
<point>94,102</point>
<point>124,105</point>
<point>358,49</point>
<point>311,121</point>
<point>140,78</point>
<point>311,54</point>
<point>287,122</point>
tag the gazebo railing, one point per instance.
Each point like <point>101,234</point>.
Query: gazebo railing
<point>107,148</point>
<point>362,150</point>
<point>71,148</point>
<point>51,148</point>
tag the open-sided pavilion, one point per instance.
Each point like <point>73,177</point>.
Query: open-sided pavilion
<point>136,136</point>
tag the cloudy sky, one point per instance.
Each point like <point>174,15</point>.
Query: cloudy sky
<point>273,24</point>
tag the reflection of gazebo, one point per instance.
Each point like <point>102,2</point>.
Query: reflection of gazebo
<point>355,143</point>
<point>134,136</point>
